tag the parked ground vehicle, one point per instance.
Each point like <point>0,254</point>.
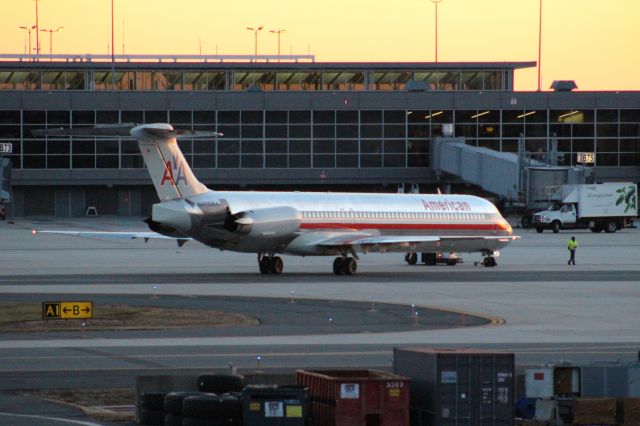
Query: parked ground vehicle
<point>599,207</point>
<point>450,259</point>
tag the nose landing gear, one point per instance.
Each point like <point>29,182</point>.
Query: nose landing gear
<point>489,261</point>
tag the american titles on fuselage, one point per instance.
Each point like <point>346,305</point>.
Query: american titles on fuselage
<point>446,206</point>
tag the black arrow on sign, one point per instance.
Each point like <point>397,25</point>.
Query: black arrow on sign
<point>86,310</point>
<point>65,310</point>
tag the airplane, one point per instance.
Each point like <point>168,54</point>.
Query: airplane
<point>300,223</point>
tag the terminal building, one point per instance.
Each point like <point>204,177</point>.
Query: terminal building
<point>288,123</point>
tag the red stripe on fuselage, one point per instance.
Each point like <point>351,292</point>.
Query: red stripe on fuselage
<point>403,226</point>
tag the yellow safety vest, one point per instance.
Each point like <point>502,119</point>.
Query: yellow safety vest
<point>572,245</point>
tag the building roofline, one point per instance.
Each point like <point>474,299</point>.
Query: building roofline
<point>226,62</point>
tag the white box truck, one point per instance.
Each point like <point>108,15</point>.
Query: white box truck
<point>599,207</point>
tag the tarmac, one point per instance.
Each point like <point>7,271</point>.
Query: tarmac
<point>534,304</point>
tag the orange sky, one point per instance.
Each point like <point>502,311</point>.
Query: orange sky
<point>594,42</point>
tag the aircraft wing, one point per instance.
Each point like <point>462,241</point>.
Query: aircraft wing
<point>116,234</point>
<point>359,239</point>
<point>384,243</point>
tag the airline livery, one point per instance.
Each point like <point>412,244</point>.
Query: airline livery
<point>304,223</point>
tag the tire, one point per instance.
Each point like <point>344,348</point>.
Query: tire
<point>173,401</point>
<point>611,227</point>
<point>221,383</point>
<point>264,265</point>
<point>489,262</point>
<point>153,401</point>
<point>539,229</point>
<point>237,395</point>
<point>555,227</point>
<point>195,421</point>
<point>350,266</point>
<point>451,262</point>
<point>337,265</point>
<point>411,258</point>
<point>212,407</point>
<point>430,259</point>
<point>151,417</point>
<point>172,420</point>
<point>277,265</point>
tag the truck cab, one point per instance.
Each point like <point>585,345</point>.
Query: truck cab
<point>556,217</point>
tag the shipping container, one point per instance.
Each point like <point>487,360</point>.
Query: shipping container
<point>586,381</point>
<point>273,405</point>
<point>458,387</point>
<point>604,380</point>
<point>356,397</point>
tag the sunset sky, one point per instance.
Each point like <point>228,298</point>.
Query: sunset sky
<point>595,43</point>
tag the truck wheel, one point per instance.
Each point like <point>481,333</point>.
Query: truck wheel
<point>411,258</point>
<point>555,226</point>
<point>539,229</point>
<point>610,227</point>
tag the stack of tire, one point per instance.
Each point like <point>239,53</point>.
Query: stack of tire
<point>217,402</point>
<point>152,408</point>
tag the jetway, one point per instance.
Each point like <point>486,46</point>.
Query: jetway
<point>494,171</point>
<point>512,176</point>
<point>5,180</point>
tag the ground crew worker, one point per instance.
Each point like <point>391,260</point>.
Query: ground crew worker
<point>572,245</point>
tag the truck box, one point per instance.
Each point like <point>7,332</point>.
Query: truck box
<point>602,200</point>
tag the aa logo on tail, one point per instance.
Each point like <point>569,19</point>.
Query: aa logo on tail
<point>174,172</point>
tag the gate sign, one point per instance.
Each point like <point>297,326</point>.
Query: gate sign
<point>6,148</point>
<point>67,310</point>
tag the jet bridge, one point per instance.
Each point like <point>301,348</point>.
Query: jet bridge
<point>517,177</point>
<point>494,171</point>
<point>5,180</point>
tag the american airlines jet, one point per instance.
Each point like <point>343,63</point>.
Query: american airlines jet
<point>303,223</point>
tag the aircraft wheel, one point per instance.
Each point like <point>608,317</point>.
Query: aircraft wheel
<point>430,258</point>
<point>277,265</point>
<point>337,266</point>
<point>350,266</point>
<point>489,262</point>
<point>411,258</point>
<point>264,265</point>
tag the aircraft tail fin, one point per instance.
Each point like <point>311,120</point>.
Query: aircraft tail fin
<point>170,173</point>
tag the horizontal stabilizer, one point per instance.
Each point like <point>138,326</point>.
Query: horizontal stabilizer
<point>124,130</point>
<point>111,234</point>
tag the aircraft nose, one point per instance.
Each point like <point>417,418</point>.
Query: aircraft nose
<point>506,226</point>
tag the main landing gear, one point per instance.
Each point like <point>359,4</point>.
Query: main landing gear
<point>270,264</point>
<point>345,265</point>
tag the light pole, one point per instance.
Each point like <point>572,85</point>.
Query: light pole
<point>435,2</point>
<point>278,32</point>
<point>539,46</point>
<point>255,35</point>
<point>28,29</point>
<point>51,31</point>
<point>37,28</point>
<point>113,54</point>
